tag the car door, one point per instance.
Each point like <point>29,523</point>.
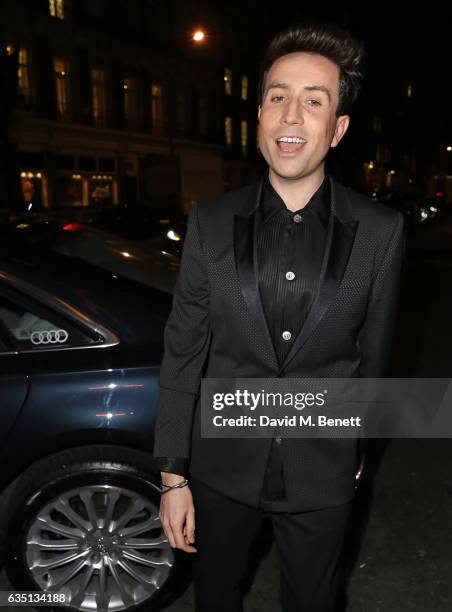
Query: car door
<point>42,367</point>
<point>14,380</point>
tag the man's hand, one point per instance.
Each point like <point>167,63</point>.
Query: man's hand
<point>177,514</point>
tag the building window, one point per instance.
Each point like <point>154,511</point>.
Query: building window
<point>106,164</point>
<point>228,130</point>
<point>62,88</point>
<point>94,8</point>
<point>377,124</point>
<point>409,91</point>
<point>23,75</point>
<point>244,94</point>
<point>86,163</point>
<point>181,111</point>
<point>383,154</point>
<point>244,137</point>
<point>130,101</point>
<point>99,96</point>
<point>101,189</point>
<point>69,189</point>
<point>202,115</point>
<point>34,190</point>
<point>157,112</point>
<point>228,81</point>
<point>56,8</point>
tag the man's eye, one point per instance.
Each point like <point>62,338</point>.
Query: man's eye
<point>313,102</point>
<point>277,98</point>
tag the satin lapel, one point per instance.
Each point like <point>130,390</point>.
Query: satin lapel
<point>339,243</point>
<point>245,252</point>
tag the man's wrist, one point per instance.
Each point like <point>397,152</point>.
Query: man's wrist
<point>180,485</point>
<point>171,479</point>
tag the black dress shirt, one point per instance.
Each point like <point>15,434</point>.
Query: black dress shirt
<point>290,252</point>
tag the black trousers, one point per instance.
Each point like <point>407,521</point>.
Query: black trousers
<point>308,543</point>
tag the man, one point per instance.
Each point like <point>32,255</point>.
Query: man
<point>296,276</point>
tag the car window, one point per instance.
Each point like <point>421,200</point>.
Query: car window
<point>153,262</point>
<point>147,262</point>
<point>30,328</point>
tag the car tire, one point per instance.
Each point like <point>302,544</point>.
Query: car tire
<point>84,523</point>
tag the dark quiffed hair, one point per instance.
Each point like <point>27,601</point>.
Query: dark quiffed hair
<point>325,39</point>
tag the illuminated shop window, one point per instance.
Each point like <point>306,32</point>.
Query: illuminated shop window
<point>101,189</point>
<point>34,190</point>
<point>69,190</point>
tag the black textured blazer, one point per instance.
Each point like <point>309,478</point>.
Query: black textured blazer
<point>217,328</point>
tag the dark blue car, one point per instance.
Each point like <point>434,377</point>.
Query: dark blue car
<point>80,349</point>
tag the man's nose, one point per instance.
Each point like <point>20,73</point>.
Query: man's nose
<point>293,113</point>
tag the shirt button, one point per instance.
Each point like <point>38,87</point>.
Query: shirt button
<point>290,275</point>
<point>286,335</point>
<point>297,218</point>
<point>278,440</point>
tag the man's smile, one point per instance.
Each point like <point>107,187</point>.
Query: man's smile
<point>290,144</point>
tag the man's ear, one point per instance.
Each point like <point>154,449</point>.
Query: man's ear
<point>342,124</point>
<point>259,112</point>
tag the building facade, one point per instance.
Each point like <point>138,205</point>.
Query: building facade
<point>121,103</point>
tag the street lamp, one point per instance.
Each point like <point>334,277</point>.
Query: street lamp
<point>198,36</point>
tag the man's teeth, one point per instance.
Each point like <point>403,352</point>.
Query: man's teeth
<point>291,139</point>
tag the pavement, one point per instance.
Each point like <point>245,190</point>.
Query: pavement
<point>397,554</point>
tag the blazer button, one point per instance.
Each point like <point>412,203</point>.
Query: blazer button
<point>278,440</point>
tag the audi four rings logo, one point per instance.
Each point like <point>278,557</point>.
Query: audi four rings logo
<point>53,336</point>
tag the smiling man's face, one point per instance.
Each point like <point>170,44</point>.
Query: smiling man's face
<point>297,119</point>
